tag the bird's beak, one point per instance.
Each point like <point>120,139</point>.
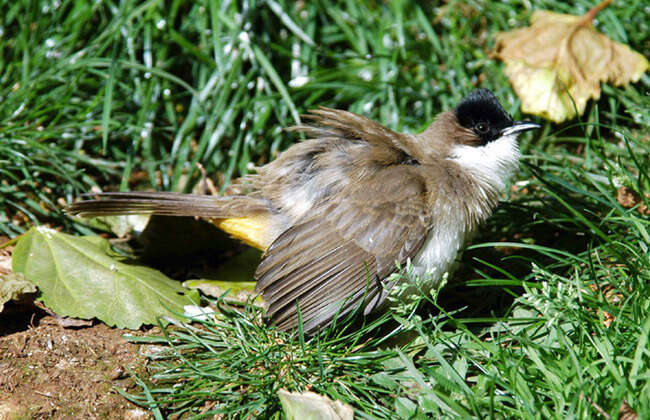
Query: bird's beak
<point>519,127</point>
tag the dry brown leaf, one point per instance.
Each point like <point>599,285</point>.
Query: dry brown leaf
<point>557,63</point>
<point>629,198</point>
<point>66,322</point>
<point>607,318</point>
<point>625,412</point>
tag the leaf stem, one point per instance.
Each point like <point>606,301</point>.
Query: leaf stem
<point>11,241</point>
<point>591,14</point>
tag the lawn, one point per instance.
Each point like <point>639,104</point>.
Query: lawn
<point>549,315</point>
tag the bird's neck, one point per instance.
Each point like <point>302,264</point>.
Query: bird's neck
<point>475,180</point>
<point>491,165</point>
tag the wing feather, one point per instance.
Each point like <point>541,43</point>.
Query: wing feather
<point>334,258</point>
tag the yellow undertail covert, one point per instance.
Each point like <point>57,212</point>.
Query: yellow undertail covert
<point>252,230</point>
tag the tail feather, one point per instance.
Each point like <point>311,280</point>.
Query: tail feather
<point>169,204</point>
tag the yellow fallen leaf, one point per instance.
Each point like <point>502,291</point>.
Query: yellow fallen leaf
<point>557,63</point>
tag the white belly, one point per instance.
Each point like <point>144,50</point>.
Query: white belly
<point>439,251</point>
<point>436,260</point>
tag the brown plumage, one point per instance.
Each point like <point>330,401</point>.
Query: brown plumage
<point>338,211</point>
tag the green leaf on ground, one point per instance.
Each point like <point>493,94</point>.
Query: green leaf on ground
<point>78,277</point>
<point>121,225</point>
<point>240,291</point>
<point>235,274</point>
<point>12,286</point>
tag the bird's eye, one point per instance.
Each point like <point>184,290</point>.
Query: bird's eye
<point>482,127</point>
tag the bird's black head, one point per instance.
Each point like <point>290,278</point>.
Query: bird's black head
<point>481,112</point>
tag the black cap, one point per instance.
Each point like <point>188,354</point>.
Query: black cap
<point>481,112</point>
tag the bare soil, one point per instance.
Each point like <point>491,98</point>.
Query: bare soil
<point>49,371</point>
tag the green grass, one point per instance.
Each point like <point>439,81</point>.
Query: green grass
<point>552,323</point>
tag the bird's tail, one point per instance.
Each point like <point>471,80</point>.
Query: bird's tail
<point>244,217</point>
<point>169,204</point>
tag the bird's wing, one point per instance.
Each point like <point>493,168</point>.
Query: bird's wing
<point>338,253</point>
<point>389,145</point>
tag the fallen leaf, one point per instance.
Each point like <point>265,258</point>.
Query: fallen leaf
<point>629,198</point>
<point>12,286</point>
<point>236,274</point>
<point>241,292</point>
<point>123,225</point>
<point>557,63</point>
<point>625,412</point>
<point>311,406</point>
<point>79,277</point>
<point>66,322</point>
<point>607,318</point>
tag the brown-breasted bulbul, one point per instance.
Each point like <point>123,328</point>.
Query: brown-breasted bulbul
<point>336,212</point>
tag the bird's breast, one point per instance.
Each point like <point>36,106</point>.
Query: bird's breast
<point>440,248</point>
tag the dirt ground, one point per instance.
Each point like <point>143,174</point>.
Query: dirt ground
<point>52,368</point>
<point>48,371</point>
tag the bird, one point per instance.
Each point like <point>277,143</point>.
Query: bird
<point>338,212</point>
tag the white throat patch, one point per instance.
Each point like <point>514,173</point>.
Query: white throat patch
<point>491,164</point>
